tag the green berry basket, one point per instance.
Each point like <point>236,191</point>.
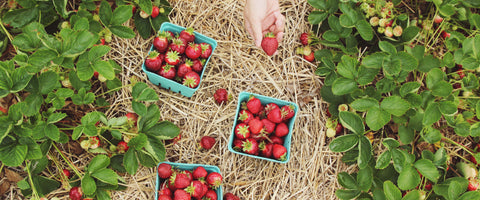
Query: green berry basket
<point>244,96</point>
<point>191,167</point>
<point>171,84</point>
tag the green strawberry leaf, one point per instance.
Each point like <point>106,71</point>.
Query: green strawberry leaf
<point>408,178</point>
<point>343,143</point>
<point>391,191</point>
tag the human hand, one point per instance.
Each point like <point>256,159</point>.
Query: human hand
<point>262,16</point>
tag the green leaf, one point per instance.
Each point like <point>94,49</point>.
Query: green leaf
<point>346,180</point>
<point>321,5</point>
<point>408,178</point>
<point>433,115</point>
<point>18,18</point>
<point>164,130</point>
<point>391,191</point>
<point>385,85</point>
<point>331,36</point>
<point>390,143</point>
<point>83,98</point>
<point>343,86</point>
<point>121,14</point>
<point>146,5</point>
<point>406,134</point>
<point>139,108</point>
<point>410,33</point>
<point>11,153</point>
<point>427,169</point>
<point>475,129</point>
<point>316,17</point>
<point>41,58</point>
<point>427,63</point>
<point>410,87</point>
<point>392,66</point>
<point>365,152</point>
<point>138,142</point>
<point>364,104</point>
<point>122,31</point>
<point>60,6</point>
<point>365,30</point>
<point>142,25</point>
<point>352,122</point>
<point>141,92</point>
<point>107,176</point>
<point>105,69</point>
<point>440,157</point>
<point>343,143</point>
<point>365,179</point>
<point>399,159</point>
<point>442,89</point>
<point>98,162</point>
<point>409,62</point>
<point>98,52</point>
<point>471,195</point>
<point>412,195</point>
<point>347,194</point>
<point>156,148</point>
<point>52,132</point>
<point>387,47</point>
<point>447,107</point>
<point>105,13</point>
<point>130,161</point>
<point>454,190</point>
<point>55,117</point>
<point>431,135</point>
<point>366,75</point>
<point>377,118</point>
<point>383,160</point>
<point>347,68</point>
<point>374,60</point>
<point>48,81</point>
<point>462,129</point>
<point>395,105</point>
<point>81,24</point>
<point>88,185</point>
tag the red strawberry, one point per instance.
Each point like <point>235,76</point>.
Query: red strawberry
<point>268,126</point>
<point>276,140</point>
<point>191,79</point>
<point>279,152</point>
<point>221,95</point>
<point>237,144</point>
<point>161,42</point>
<point>256,125</point>
<point>275,115</point>
<point>269,44</point>
<point>389,24</point>
<point>245,116</point>
<point>205,186</point>
<point>187,34</point>
<point>445,35</point>
<point>460,73</point>
<point>189,174</point>
<point>184,68</point>
<point>214,179</point>
<point>437,19</point>
<point>172,35</point>
<point>211,195</point>
<point>304,38</point>
<point>66,172</point>
<point>155,11</point>
<point>75,193</point>
<point>165,191</point>
<point>338,128</point>
<point>428,186</point>
<point>198,65</point>
<point>134,9</point>
<point>181,181</point>
<point>281,130</point>
<point>164,170</point>
<point>269,107</point>
<point>457,85</point>
<point>195,189</point>
<point>167,71</point>
<point>206,50</point>
<point>288,111</point>
<point>250,146</point>
<point>181,195</point>
<point>164,197</point>
<point>242,131</point>
<point>473,160</point>
<point>473,184</point>
<point>254,105</point>
<point>122,147</point>
<point>230,196</point>
<point>193,51</point>
<point>172,58</point>
<point>310,57</point>
<point>177,45</point>
<point>153,63</point>
<point>94,142</point>
<point>207,142</point>
<point>199,173</point>
<point>132,117</point>
<point>266,149</point>
<point>95,73</point>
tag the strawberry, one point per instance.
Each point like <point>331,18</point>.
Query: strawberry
<point>193,51</point>
<point>167,71</point>
<point>268,126</point>
<point>195,189</point>
<point>66,172</point>
<point>242,131</point>
<point>132,117</point>
<point>122,147</point>
<point>304,38</point>
<point>165,191</point>
<point>276,140</point>
<point>164,197</point>
<point>95,74</point>
<point>428,186</point>
<point>338,128</point>
<point>184,68</point>
<point>457,86</point>
<point>181,181</point>
<point>437,19</point>
<point>460,73</point>
<point>211,195</point>
<point>134,9</point>
<point>214,179</point>
<point>94,142</point>
<point>256,125</point>
<point>237,144</point>
<point>310,57</point>
<point>221,96</point>
<point>75,193</point>
<point>191,79</point>
<point>178,46</point>
<point>172,35</point>
<point>250,146</point>
<point>161,42</point>
<point>473,160</point>
<point>331,132</point>
<point>275,115</point>
<point>279,152</point>
<point>207,142</point>
<point>473,184</point>
<point>153,63</point>
<point>189,175</point>
<point>172,58</point>
<point>445,35</point>
<point>205,186</point>
<point>266,149</point>
<point>269,44</point>
<point>3,110</point>
<point>155,11</point>
<point>254,105</point>
<point>230,196</point>
<point>144,14</point>
<point>288,111</point>
<point>164,170</point>
<point>245,116</point>
<point>206,50</point>
<point>199,173</point>
<point>198,65</point>
<point>269,107</point>
<point>187,34</point>
<point>281,130</point>
<point>181,195</point>
<point>389,24</point>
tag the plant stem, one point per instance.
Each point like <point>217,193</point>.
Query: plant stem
<point>34,191</point>
<point>457,144</point>
<point>79,174</point>
<point>10,37</point>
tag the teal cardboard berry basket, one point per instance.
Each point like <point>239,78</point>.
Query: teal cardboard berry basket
<point>183,166</point>
<point>170,84</point>
<point>265,100</point>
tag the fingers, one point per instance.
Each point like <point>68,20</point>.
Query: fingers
<point>279,25</point>
<point>257,33</point>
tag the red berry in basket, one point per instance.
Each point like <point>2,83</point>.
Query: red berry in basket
<point>269,107</point>
<point>256,126</point>
<point>276,140</point>
<point>207,142</point>
<point>206,50</point>
<point>310,57</point>
<point>165,191</point>
<point>122,147</point>
<point>172,58</point>
<point>288,111</point>
<point>279,152</point>
<point>242,131</point>
<point>66,172</point>
<point>266,149</point>
<point>154,62</point>
<point>214,179</point>
<point>161,42</point>
<point>181,195</point>
<point>269,44</point>
<point>198,65</point>
<point>155,11</point>
<point>199,172</point>
<point>268,126</point>
<point>164,197</point>
<point>184,68</point>
<point>254,105</point>
<point>187,34</point>
<point>221,96</point>
<point>181,181</point>
<point>177,45</point>
<point>167,71</point>
<point>191,79</point>
<point>189,175</point>
<point>230,196</point>
<point>164,170</point>
<point>281,130</point>
<point>211,195</point>
<point>193,51</point>
<point>195,189</point>
<point>237,144</point>
<point>75,193</point>
<point>245,116</point>
<point>250,146</point>
<point>275,115</point>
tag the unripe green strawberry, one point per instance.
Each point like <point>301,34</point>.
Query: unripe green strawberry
<point>374,21</point>
<point>397,31</point>
<point>389,32</point>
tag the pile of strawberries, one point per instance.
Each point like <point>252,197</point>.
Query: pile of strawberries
<point>178,57</point>
<point>307,39</point>
<point>261,129</point>
<point>186,184</point>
